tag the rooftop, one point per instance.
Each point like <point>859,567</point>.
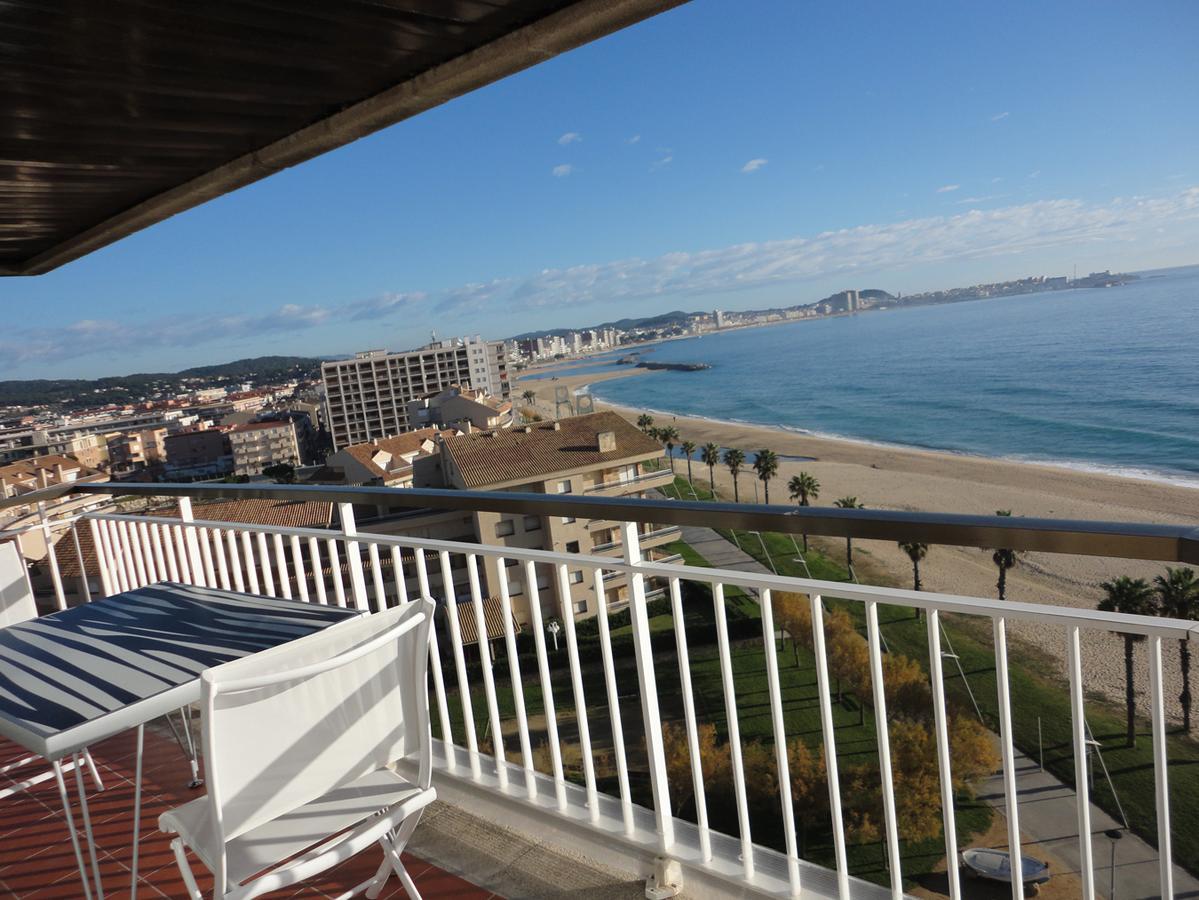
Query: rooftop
<point>490,458</point>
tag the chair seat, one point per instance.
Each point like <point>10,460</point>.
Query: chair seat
<point>268,845</point>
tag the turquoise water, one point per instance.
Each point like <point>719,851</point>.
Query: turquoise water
<point>1104,379</point>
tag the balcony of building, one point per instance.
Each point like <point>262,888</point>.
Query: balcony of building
<point>604,743</point>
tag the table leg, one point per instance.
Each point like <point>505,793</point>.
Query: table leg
<point>70,819</point>
<point>87,826</point>
<point>137,808</point>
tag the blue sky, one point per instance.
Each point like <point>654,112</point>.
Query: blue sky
<point>724,154</point>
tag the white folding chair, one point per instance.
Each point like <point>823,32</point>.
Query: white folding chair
<point>298,741</point>
<point>17,605</point>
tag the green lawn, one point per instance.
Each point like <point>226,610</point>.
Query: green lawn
<point>1037,692</point>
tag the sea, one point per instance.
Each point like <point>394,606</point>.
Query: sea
<point>1102,379</point>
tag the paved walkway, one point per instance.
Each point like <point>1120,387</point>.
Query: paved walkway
<point>1049,822</point>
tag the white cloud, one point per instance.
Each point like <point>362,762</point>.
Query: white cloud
<point>996,180</point>
<point>968,235</point>
<point>982,199</point>
<point>999,117</point>
<point>635,139</point>
<point>753,165</point>
<point>571,137</point>
<point>1035,174</point>
<point>946,188</point>
<point>563,170</point>
<point>661,163</point>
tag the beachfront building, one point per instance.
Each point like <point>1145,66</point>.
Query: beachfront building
<point>258,445</point>
<point>460,407</point>
<point>601,455</point>
<point>384,461</point>
<point>367,397</point>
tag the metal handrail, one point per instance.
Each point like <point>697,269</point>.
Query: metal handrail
<point>1165,543</point>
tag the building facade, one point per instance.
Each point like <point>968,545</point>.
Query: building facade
<point>601,455</point>
<point>259,445</point>
<point>367,396</point>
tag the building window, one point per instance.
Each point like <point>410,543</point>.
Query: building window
<point>568,520</point>
<point>564,486</point>
<point>580,607</point>
<point>532,523</point>
<point>504,527</point>
<point>576,577</point>
<point>515,589</point>
<point>572,546</point>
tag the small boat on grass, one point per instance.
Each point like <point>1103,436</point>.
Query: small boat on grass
<point>996,865</point>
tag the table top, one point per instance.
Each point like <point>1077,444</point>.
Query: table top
<point>78,676</point>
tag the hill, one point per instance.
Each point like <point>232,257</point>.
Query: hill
<point>74,393</point>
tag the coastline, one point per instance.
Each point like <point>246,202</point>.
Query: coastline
<point>891,477</point>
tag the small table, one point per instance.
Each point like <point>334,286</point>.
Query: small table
<point>72,678</point>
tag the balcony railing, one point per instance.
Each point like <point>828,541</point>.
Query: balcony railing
<point>487,758</point>
<point>648,478</point>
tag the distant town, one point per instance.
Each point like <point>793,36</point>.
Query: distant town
<point>287,417</point>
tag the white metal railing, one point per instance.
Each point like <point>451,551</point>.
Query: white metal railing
<point>372,571</point>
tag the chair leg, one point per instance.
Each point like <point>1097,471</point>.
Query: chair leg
<point>91,767</point>
<point>375,887</point>
<point>185,869</point>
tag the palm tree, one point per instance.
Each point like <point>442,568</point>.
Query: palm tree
<point>849,503</point>
<point>529,396</point>
<point>804,488</point>
<point>1135,597</point>
<point>645,421</point>
<point>1004,559</point>
<point>711,457</point>
<point>688,448</point>
<point>669,436</point>
<point>734,459</point>
<point>1178,594</point>
<point>766,464</point>
<point>916,552</point>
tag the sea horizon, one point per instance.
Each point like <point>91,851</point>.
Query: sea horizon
<point>1053,409</point>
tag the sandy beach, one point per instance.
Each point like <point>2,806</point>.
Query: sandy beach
<point>902,479</point>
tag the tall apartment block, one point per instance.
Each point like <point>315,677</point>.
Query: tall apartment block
<point>368,396</point>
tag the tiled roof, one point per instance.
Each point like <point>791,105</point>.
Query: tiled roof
<point>488,458</point>
<point>286,513</point>
<point>397,445</point>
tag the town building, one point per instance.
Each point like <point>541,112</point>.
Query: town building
<point>385,461</point>
<point>460,407</point>
<point>203,453</point>
<point>601,454</point>
<point>368,396</point>
<point>259,445</point>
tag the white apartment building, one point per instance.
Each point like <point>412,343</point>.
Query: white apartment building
<point>367,397</point>
<point>258,445</point>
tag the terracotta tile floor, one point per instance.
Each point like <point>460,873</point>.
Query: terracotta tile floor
<point>37,861</point>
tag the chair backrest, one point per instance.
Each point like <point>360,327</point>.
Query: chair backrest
<point>287,725</point>
<point>16,596</point>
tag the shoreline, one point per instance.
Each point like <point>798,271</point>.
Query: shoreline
<point>913,479</point>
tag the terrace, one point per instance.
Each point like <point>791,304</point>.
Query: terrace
<point>643,749</point>
<point>582,762</point>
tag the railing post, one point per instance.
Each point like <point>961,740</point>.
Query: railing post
<point>353,555</point>
<point>101,546</point>
<point>51,557</point>
<point>644,653</point>
<point>192,545</point>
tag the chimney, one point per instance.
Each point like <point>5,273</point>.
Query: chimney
<point>557,426</point>
<point>58,473</point>
<point>606,441</point>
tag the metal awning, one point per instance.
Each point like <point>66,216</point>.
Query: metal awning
<point>121,113</point>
